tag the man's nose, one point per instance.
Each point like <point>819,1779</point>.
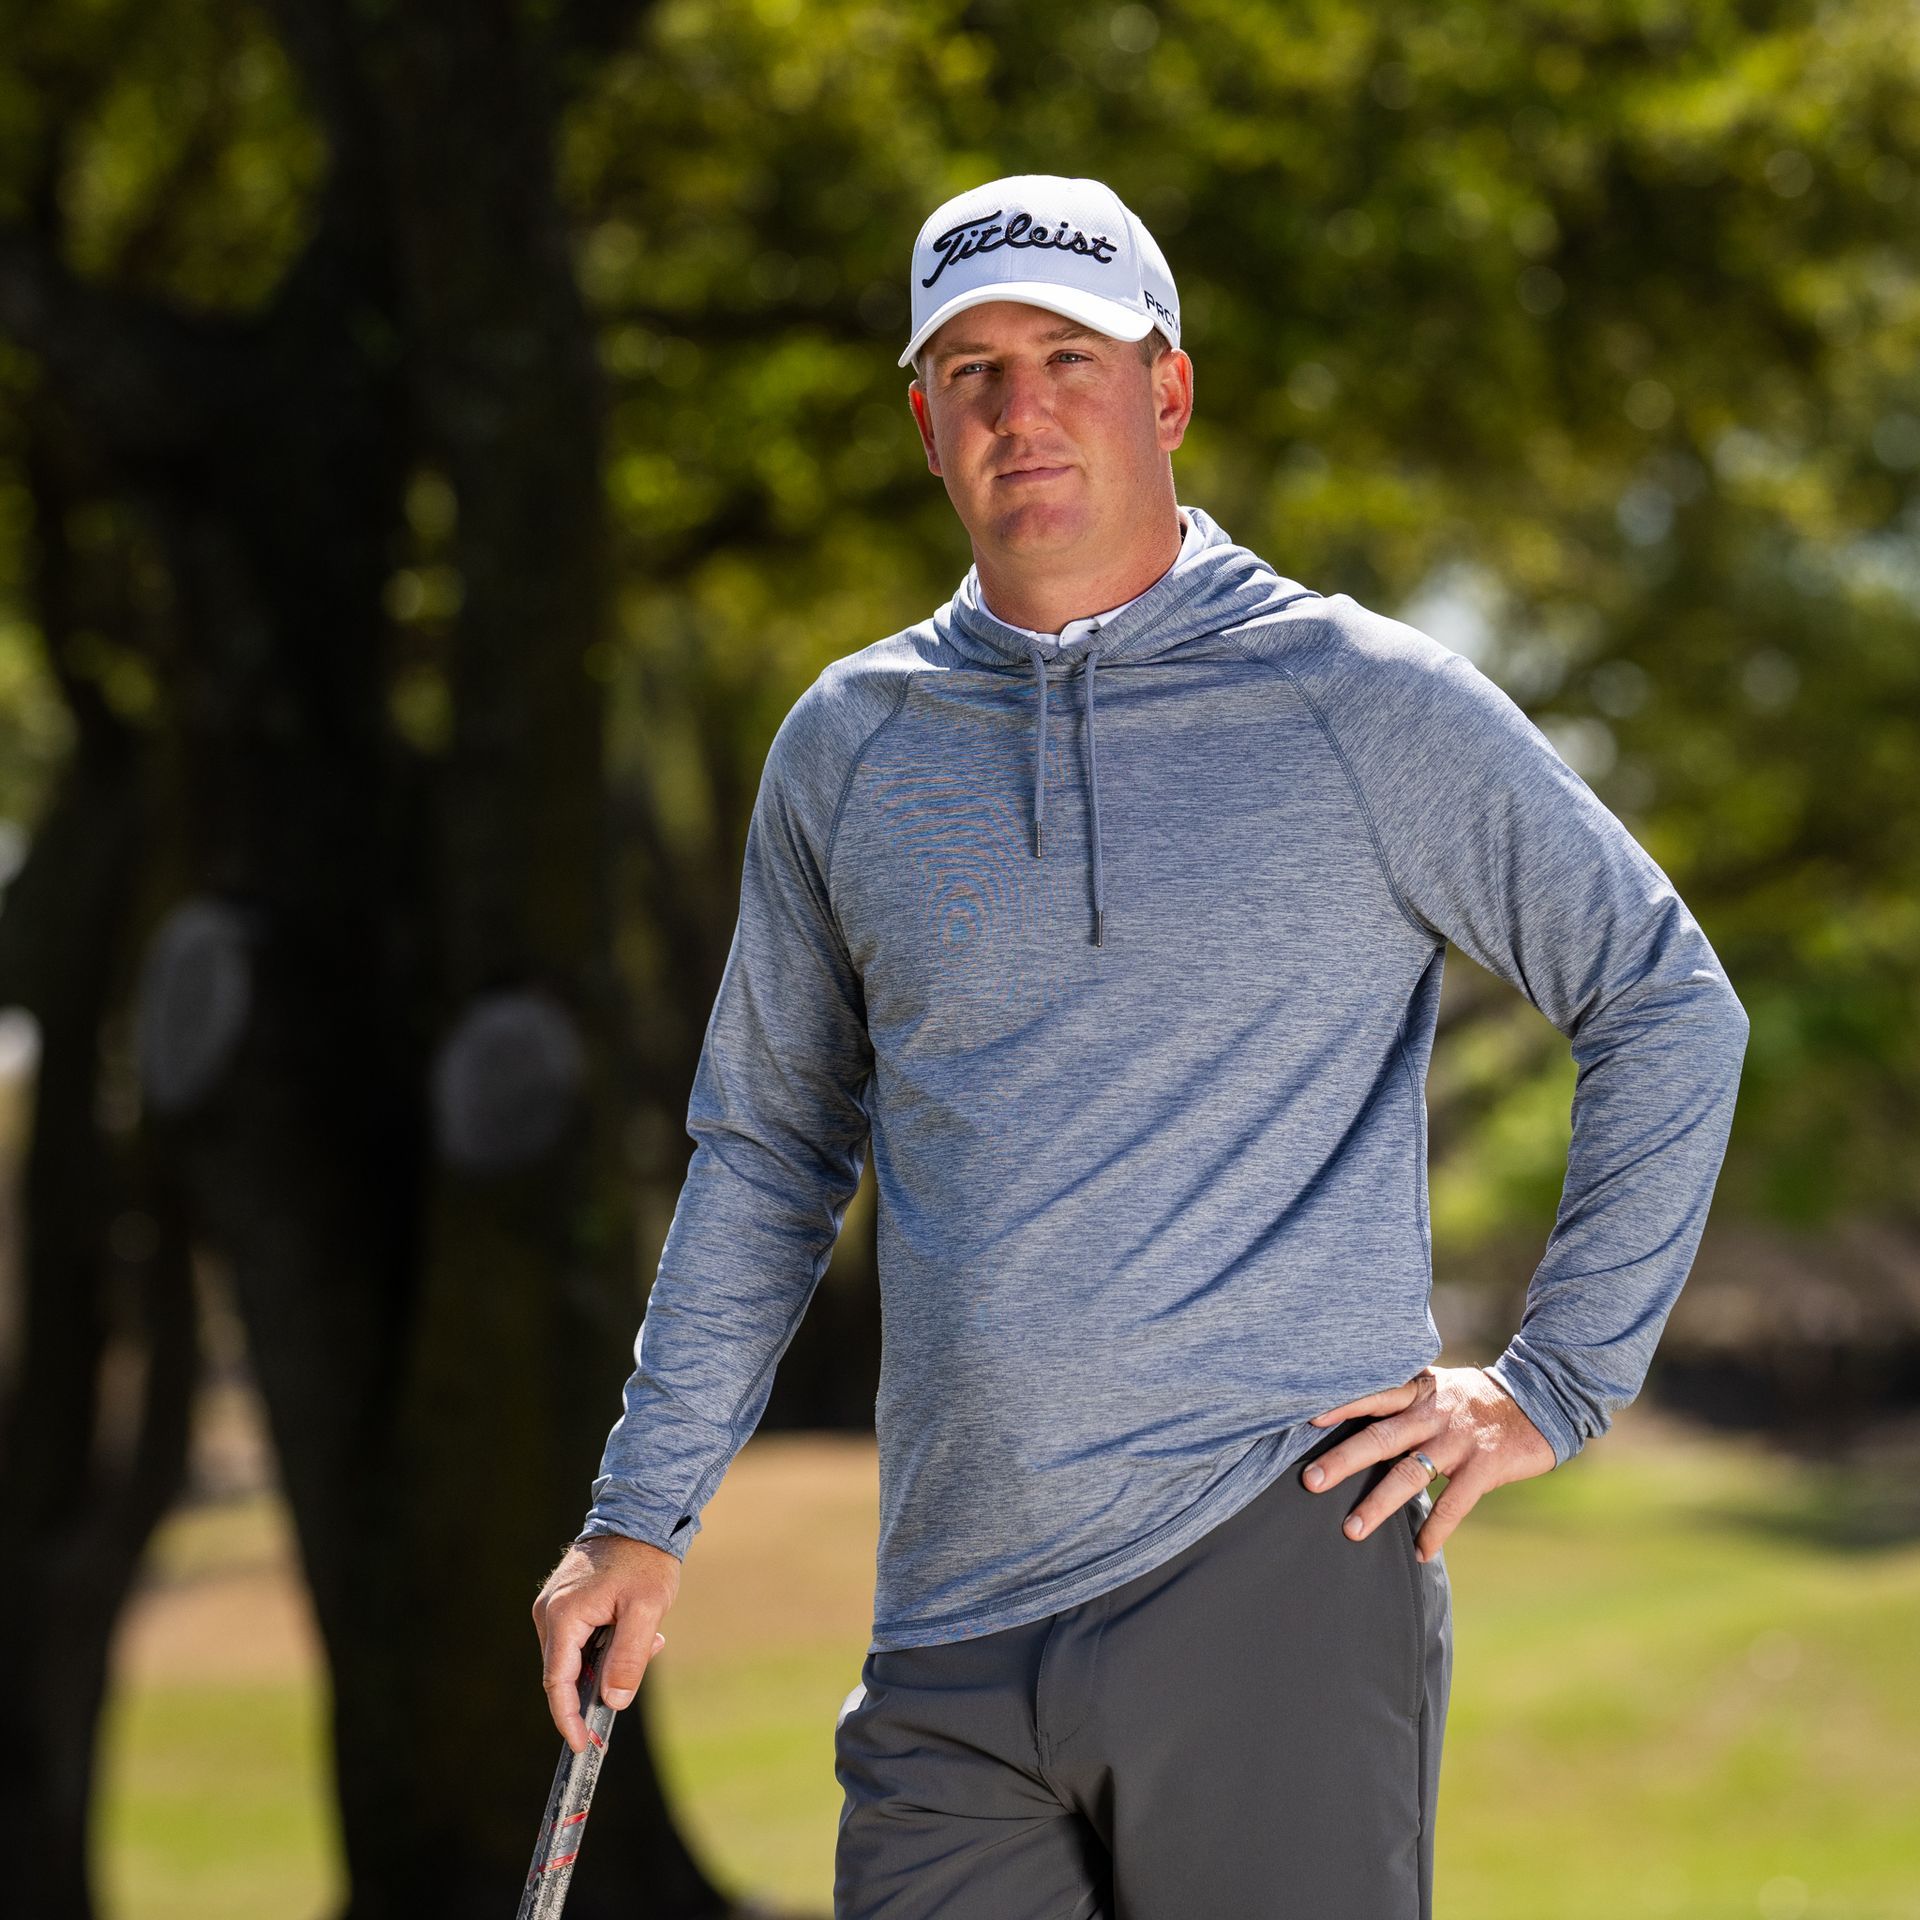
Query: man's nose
<point>1023,398</point>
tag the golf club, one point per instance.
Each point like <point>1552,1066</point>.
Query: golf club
<point>572,1794</point>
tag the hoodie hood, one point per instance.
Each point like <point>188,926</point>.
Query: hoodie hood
<point>1218,585</point>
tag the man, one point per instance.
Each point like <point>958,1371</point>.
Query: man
<point>1134,1010</point>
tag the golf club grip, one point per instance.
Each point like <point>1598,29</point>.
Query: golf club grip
<point>572,1793</point>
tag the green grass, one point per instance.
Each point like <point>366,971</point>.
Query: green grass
<point>747,1753</point>
<point>1687,1683</point>
<point>214,1805</point>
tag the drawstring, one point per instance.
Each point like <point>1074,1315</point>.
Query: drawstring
<point>1093,793</point>
<point>1093,779</point>
<point>1039,745</point>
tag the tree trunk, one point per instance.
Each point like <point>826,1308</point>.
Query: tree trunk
<point>88,1461</point>
<point>433,1262</point>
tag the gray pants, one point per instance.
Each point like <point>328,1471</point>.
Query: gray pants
<point>1249,1732</point>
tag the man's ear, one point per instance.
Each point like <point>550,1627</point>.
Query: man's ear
<point>1172,377</point>
<point>917,400</point>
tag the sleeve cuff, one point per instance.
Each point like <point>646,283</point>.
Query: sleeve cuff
<point>619,1506</point>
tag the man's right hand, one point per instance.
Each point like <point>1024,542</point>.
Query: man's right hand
<point>608,1577</point>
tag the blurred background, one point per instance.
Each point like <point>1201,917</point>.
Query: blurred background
<point>439,441</point>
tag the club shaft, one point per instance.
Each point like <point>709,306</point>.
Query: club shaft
<point>574,1780</point>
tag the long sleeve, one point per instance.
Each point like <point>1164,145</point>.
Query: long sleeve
<point>780,1128</point>
<point>1493,842</point>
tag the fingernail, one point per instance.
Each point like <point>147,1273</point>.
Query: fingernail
<point>1356,1526</point>
<point>1315,1475</point>
<point>659,1641</point>
<point>617,1697</point>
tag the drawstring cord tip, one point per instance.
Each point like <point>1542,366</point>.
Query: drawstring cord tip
<point>1099,928</point>
<point>1036,840</point>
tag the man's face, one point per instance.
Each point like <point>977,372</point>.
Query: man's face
<point>1052,438</point>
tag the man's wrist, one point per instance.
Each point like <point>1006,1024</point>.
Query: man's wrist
<point>1523,1381</point>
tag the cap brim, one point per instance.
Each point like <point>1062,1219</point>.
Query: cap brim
<point>1103,315</point>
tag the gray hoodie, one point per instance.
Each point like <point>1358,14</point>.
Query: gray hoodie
<point>1123,964</point>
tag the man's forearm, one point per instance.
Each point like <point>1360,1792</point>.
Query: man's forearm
<point>1653,1106</point>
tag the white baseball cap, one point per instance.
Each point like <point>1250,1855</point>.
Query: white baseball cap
<point>1068,244</point>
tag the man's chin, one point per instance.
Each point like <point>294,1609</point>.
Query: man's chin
<point>1037,526</point>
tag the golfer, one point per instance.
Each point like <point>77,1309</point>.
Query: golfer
<point>1106,908</point>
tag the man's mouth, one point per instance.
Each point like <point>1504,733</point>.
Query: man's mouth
<point>1031,473</point>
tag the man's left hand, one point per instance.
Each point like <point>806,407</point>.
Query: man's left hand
<point>1467,1424</point>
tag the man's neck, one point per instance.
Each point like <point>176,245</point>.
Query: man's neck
<point>1039,597</point>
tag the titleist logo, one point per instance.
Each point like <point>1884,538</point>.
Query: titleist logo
<point>986,233</point>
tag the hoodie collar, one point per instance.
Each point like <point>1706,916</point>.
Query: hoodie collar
<point>1209,587</point>
<point>1220,584</point>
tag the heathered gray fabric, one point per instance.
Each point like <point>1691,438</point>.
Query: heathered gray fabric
<point>1147,1206</point>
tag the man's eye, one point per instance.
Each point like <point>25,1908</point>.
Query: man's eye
<point>967,366</point>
